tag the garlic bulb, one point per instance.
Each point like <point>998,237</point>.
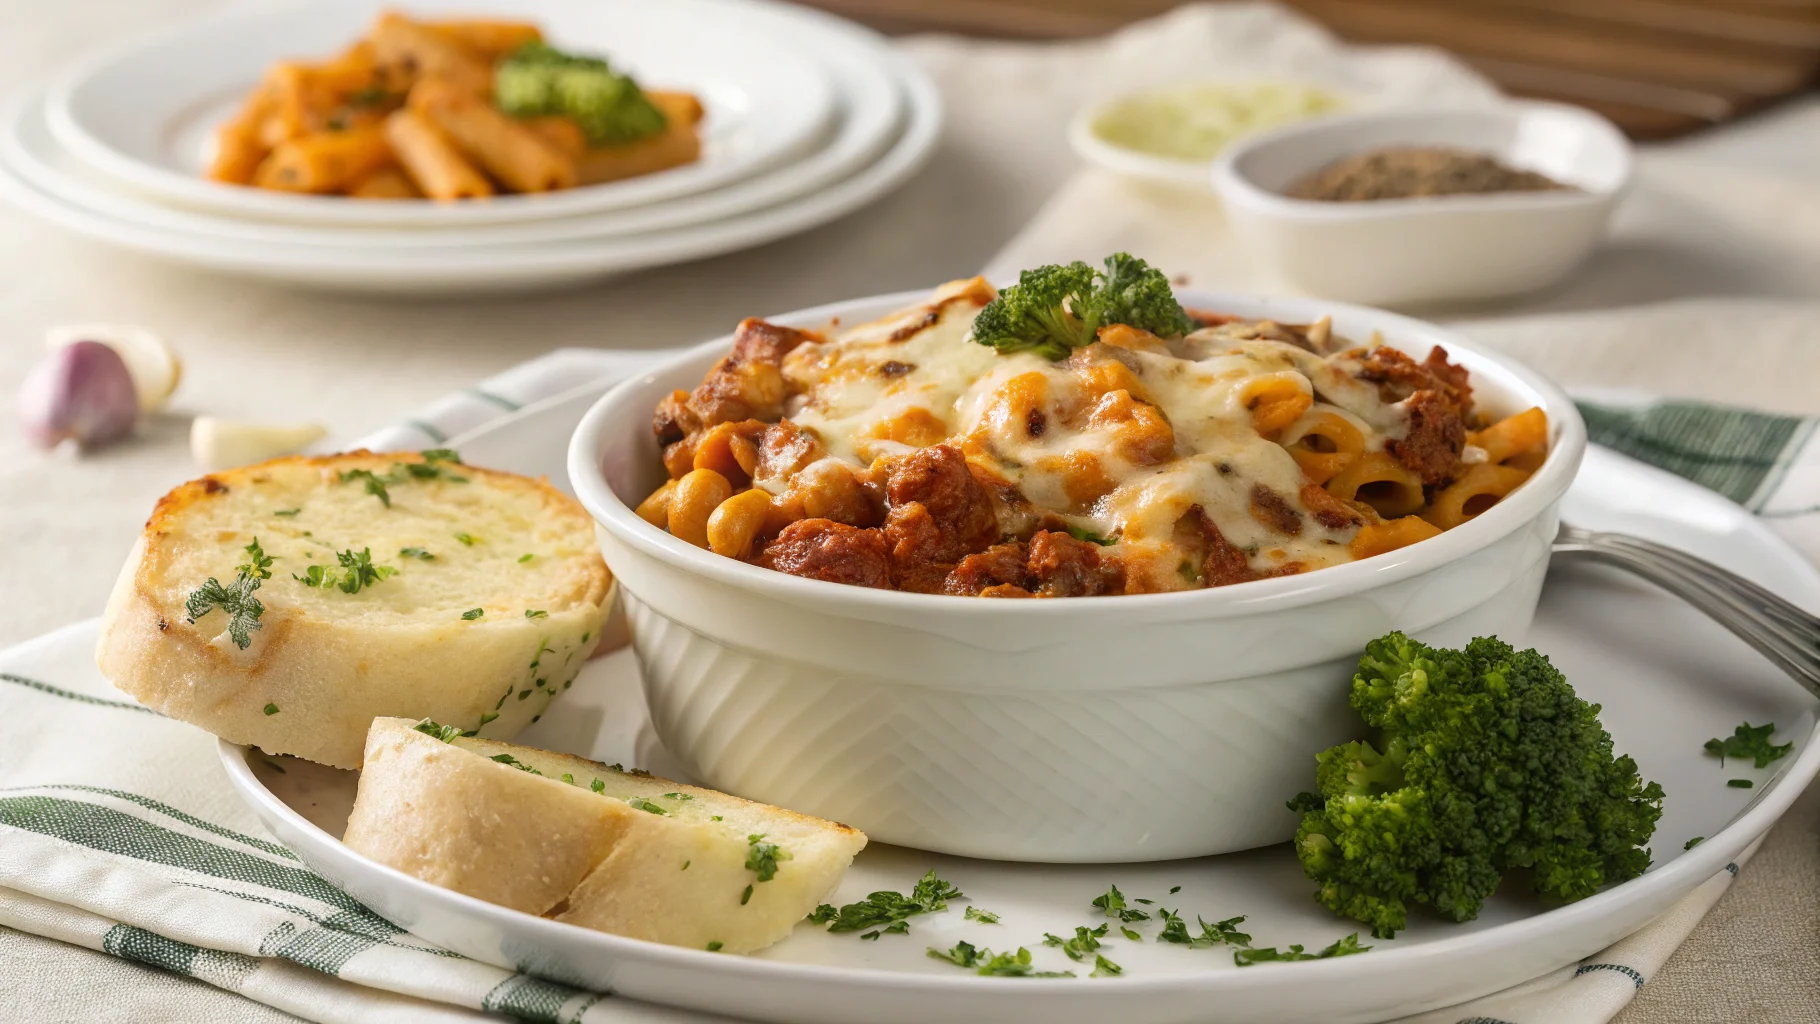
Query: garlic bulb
<point>81,392</point>
<point>224,444</point>
<point>153,365</point>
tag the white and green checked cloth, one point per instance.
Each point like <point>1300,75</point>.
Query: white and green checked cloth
<point>119,833</point>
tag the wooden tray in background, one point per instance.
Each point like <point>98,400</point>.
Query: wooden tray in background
<point>1658,68</point>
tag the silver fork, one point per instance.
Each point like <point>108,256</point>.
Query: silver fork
<point>1781,632</point>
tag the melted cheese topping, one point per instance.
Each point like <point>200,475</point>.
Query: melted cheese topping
<point>1123,442</point>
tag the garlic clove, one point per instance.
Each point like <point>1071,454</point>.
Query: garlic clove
<point>153,364</point>
<point>82,392</point>
<point>225,444</point>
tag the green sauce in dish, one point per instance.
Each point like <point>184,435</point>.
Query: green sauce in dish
<point>1195,121</point>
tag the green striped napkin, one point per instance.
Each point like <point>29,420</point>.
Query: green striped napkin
<point>119,834</point>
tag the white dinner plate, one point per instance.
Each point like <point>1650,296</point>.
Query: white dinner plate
<point>870,111</point>
<point>1668,680</point>
<point>497,269</point>
<point>144,115</point>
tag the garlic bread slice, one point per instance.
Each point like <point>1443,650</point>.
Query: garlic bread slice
<point>289,603</point>
<point>591,844</point>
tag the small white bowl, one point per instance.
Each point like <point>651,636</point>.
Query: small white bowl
<point>1430,249</point>
<point>1183,172</point>
<point>1085,729</point>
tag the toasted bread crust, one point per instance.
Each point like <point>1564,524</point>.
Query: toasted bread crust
<point>328,663</point>
<point>451,814</point>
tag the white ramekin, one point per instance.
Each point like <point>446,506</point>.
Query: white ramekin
<point>1099,729</point>
<point>1436,249</point>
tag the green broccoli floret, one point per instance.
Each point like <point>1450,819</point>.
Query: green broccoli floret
<point>537,79</point>
<point>1486,762</point>
<point>1057,308</point>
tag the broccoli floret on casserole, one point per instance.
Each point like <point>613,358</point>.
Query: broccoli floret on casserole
<point>1061,307</point>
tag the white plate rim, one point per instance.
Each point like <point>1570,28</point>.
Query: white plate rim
<point>67,126</point>
<point>1681,874</point>
<point>509,269</point>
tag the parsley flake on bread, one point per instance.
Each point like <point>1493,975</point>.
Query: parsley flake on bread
<point>589,844</point>
<point>337,588</point>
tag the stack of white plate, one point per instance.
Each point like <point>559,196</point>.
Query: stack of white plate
<point>808,118</point>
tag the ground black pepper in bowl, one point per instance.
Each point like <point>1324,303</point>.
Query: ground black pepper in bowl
<point>1407,172</point>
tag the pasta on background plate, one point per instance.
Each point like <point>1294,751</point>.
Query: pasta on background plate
<point>451,110</point>
<point>899,454</point>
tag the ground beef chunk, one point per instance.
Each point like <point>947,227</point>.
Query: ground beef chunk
<point>917,550</point>
<point>1065,567</point>
<point>674,419</point>
<point>821,549</point>
<point>749,382</point>
<point>1450,374</point>
<point>1398,376</point>
<point>1002,565</point>
<point>1224,564</point>
<point>937,478</point>
<point>1328,510</point>
<point>1273,510</point>
<point>1435,438</point>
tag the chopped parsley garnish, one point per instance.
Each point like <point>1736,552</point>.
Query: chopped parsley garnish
<point>440,455</point>
<point>287,512</point>
<point>356,571</point>
<point>488,716</point>
<point>714,947</point>
<point>997,965</point>
<point>375,484</point>
<point>982,916</point>
<point>598,786</point>
<point>568,778</point>
<point>1085,941</point>
<point>1104,968</point>
<point>715,818</point>
<point>686,864</point>
<point>536,613</point>
<point>418,553</point>
<point>745,897</point>
<point>235,600</point>
<point>1129,934</point>
<point>1113,904</point>
<point>525,558</point>
<point>930,894</point>
<point>762,857</point>
<point>678,796</point>
<point>1174,889</point>
<point>1090,537</point>
<point>467,539</point>
<point>446,733</point>
<point>1344,947</point>
<point>1750,741</point>
<point>1221,933</point>
<point>894,928</point>
<point>473,613</point>
<point>1695,841</point>
<point>1739,783</point>
<point>516,763</point>
<point>645,805</point>
<point>270,710</point>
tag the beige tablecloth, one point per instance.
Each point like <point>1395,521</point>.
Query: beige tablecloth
<point>1722,241</point>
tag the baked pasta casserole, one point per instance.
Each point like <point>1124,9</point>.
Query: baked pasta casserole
<point>911,454</point>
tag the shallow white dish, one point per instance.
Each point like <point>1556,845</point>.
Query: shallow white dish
<point>1438,249</point>
<point>1667,677</point>
<point>871,113</point>
<point>1127,728</point>
<point>144,115</point>
<point>517,268</point>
